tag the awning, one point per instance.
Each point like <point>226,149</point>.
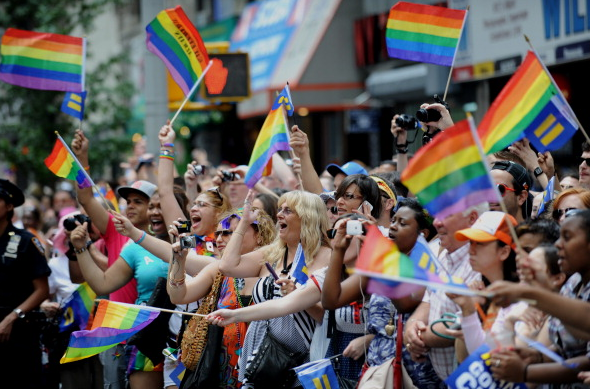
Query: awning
<point>407,82</point>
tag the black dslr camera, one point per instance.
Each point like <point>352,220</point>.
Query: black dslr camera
<point>407,122</point>
<point>70,223</point>
<point>186,242</point>
<point>431,114</point>
<point>229,176</point>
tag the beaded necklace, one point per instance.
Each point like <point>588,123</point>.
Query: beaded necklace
<point>240,305</point>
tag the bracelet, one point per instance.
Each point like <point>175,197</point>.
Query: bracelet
<point>88,244</point>
<point>526,368</point>
<point>166,157</point>
<point>80,251</point>
<point>143,235</point>
<point>167,152</point>
<point>402,150</point>
<point>176,283</point>
<point>168,145</point>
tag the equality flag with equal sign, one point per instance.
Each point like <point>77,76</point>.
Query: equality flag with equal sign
<point>40,60</point>
<point>424,33</point>
<point>73,104</point>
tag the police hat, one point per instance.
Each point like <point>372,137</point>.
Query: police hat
<point>11,193</point>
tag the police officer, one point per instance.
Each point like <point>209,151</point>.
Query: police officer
<point>23,286</point>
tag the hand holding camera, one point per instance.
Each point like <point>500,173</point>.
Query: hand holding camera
<point>79,236</point>
<point>186,241</point>
<point>436,115</point>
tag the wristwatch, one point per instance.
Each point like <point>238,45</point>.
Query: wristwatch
<point>538,171</point>
<point>19,313</point>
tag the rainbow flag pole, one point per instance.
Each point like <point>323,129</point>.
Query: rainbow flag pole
<point>154,309</point>
<point>454,56</point>
<point>63,142</point>
<point>192,90</point>
<point>558,89</point>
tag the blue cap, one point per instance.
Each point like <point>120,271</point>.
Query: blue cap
<point>347,169</point>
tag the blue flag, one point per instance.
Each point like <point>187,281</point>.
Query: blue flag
<point>299,267</point>
<point>475,372</point>
<point>73,104</point>
<point>423,256</point>
<point>548,195</point>
<point>553,126</point>
<point>77,308</point>
<point>284,98</point>
<point>317,375</point>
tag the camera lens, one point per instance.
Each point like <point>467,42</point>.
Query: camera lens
<point>407,122</point>
<point>428,115</point>
<point>199,169</point>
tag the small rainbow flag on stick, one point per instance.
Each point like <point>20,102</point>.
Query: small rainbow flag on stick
<point>63,164</point>
<point>530,105</point>
<point>40,60</point>
<point>77,308</point>
<point>113,323</point>
<point>273,137</point>
<point>424,33</point>
<point>381,260</point>
<point>448,175</point>
<point>173,38</point>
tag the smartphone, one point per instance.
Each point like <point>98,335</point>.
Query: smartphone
<point>272,271</point>
<point>367,205</point>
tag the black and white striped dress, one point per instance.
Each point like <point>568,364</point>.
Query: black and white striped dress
<point>294,330</point>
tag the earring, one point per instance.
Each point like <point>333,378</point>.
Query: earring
<point>150,230</point>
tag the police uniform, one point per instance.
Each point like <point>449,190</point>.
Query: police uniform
<point>21,261</point>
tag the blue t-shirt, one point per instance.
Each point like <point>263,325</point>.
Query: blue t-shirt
<point>146,269</point>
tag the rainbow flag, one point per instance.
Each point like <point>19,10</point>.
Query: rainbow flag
<point>73,104</point>
<point>448,175</point>
<point>273,137</point>
<point>424,33</point>
<point>113,323</point>
<point>381,260</point>
<point>530,105</point>
<point>172,37</point>
<point>63,164</point>
<point>40,60</point>
<point>108,193</point>
<point>77,308</point>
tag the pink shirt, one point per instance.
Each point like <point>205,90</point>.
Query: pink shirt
<point>114,243</point>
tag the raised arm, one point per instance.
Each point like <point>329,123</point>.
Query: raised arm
<point>170,208</point>
<point>91,205</point>
<point>102,282</point>
<point>296,301</point>
<point>300,145</point>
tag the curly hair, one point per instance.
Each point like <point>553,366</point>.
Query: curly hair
<point>264,227</point>
<point>314,223</point>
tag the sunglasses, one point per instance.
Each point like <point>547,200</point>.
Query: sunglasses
<point>215,190</point>
<point>351,196</point>
<point>223,233</point>
<point>333,210</point>
<point>503,189</point>
<point>331,233</point>
<point>225,223</point>
<point>587,160</point>
<point>574,212</point>
<point>558,213</point>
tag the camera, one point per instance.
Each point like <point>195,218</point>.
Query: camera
<point>70,223</point>
<point>431,114</point>
<point>188,242</point>
<point>407,122</point>
<point>184,227</point>
<point>229,176</point>
<point>199,169</point>
<point>355,227</point>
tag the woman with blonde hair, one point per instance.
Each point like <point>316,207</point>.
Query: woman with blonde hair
<point>301,220</point>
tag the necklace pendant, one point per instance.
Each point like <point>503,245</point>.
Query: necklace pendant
<point>390,328</point>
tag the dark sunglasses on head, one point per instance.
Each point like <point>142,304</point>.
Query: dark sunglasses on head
<point>503,189</point>
<point>331,233</point>
<point>215,190</point>
<point>587,160</point>
<point>558,213</point>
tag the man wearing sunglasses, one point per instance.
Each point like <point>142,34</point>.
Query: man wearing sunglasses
<point>513,182</point>
<point>584,168</point>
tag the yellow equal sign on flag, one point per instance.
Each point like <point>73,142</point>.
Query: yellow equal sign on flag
<point>73,104</point>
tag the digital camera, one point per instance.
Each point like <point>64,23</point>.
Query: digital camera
<point>188,242</point>
<point>407,122</point>
<point>70,223</point>
<point>184,227</point>
<point>355,227</point>
<point>199,170</point>
<point>431,114</point>
<point>229,176</point>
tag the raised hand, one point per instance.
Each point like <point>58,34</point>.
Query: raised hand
<point>166,134</point>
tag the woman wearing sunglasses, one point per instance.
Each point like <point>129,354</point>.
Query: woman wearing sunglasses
<point>408,223</point>
<point>570,199</point>
<point>234,293</point>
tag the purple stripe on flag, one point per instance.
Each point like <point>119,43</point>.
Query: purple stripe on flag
<point>258,166</point>
<point>420,57</point>
<point>40,83</point>
<point>173,71</point>
<point>468,201</point>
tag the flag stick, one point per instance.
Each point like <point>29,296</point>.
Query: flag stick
<point>190,93</point>
<point>155,309</point>
<point>291,152</point>
<point>495,188</point>
<point>557,87</point>
<point>82,168</point>
<point>455,55</point>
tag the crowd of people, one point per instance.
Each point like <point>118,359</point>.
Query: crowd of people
<point>210,245</point>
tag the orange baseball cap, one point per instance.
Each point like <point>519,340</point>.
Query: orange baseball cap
<point>490,226</point>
